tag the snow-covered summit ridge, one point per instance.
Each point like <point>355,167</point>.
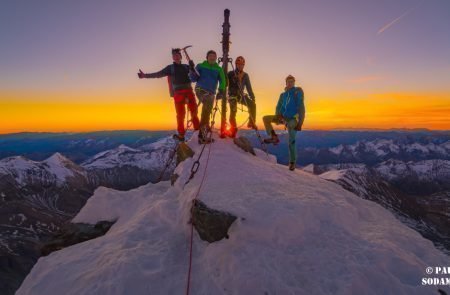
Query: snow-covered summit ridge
<point>296,234</point>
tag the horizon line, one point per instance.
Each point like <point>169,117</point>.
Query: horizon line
<point>174,130</point>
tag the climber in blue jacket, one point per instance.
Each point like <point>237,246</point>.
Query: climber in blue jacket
<point>290,111</point>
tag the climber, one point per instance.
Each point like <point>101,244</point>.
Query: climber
<point>238,80</point>
<point>290,111</point>
<point>207,75</point>
<point>180,89</point>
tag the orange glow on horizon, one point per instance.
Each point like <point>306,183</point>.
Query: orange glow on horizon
<point>47,113</point>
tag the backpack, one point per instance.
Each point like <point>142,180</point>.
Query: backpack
<point>169,80</point>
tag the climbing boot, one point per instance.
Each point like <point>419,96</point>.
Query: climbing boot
<point>273,139</point>
<point>292,166</point>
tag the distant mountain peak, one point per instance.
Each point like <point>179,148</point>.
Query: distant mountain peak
<point>58,159</point>
<point>16,163</point>
<point>124,147</point>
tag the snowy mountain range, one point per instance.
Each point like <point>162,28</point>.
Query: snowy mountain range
<point>417,178</point>
<point>38,197</point>
<point>296,233</point>
<point>75,146</point>
<point>376,151</point>
<point>79,147</point>
<point>125,168</point>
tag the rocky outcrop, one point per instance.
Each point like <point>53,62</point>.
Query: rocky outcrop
<point>184,152</point>
<point>74,233</point>
<point>212,225</point>
<point>244,144</point>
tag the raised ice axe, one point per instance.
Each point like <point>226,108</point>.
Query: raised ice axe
<point>185,52</point>
<point>191,62</point>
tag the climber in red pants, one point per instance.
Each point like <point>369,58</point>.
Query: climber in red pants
<point>180,89</point>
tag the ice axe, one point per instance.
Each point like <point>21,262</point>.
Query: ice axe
<point>191,62</point>
<point>185,52</point>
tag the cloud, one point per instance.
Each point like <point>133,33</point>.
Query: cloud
<point>387,26</point>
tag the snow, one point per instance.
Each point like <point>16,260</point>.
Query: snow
<point>164,142</point>
<point>333,174</point>
<point>422,167</point>
<point>417,147</point>
<point>296,234</point>
<point>146,157</point>
<point>431,169</point>
<point>445,145</point>
<point>379,147</point>
<point>382,147</point>
<point>337,150</point>
<point>425,170</point>
<point>24,170</point>
<point>436,148</point>
<point>17,166</point>
<point>392,169</point>
<point>309,168</point>
<point>57,166</point>
<point>341,166</point>
<point>123,147</point>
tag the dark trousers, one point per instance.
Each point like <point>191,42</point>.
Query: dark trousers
<point>247,101</point>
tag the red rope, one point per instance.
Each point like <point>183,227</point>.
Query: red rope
<point>190,260</point>
<point>192,224</point>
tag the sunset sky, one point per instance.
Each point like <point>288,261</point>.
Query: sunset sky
<point>71,65</point>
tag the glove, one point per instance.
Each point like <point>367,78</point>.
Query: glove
<point>141,74</point>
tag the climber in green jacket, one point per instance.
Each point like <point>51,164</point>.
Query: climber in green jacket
<point>208,75</point>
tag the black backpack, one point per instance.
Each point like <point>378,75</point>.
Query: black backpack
<point>169,80</point>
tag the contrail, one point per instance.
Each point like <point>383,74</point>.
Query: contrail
<point>384,28</point>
